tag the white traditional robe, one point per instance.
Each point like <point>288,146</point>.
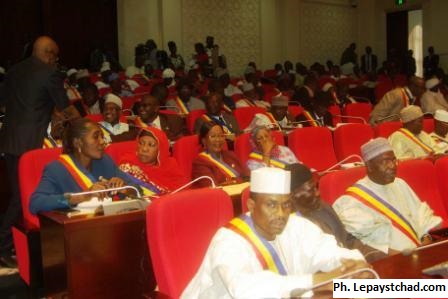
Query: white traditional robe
<point>405,148</point>
<point>117,129</point>
<point>432,101</point>
<point>440,143</point>
<point>376,230</point>
<point>230,268</point>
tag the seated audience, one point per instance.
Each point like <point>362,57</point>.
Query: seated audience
<point>216,114</point>
<point>116,86</point>
<point>90,102</point>
<point>305,94</point>
<point>149,116</point>
<point>185,102</point>
<point>393,101</point>
<point>215,86</point>
<point>168,79</point>
<point>160,91</point>
<point>113,129</point>
<point>83,166</point>
<point>151,167</point>
<point>298,253</point>
<point>229,88</point>
<point>176,59</point>
<point>439,136</point>
<point>279,111</point>
<point>138,68</point>
<point>318,115</point>
<point>55,130</point>
<point>411,141</point>
<point>308,204</point>
<point>267,153</point>
<point>71,85</point>
<point>382,210</point>
<point>433,99</point>
<point>251,98</point>
<point>221,165</point>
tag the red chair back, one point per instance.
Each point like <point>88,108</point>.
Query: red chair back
<point>357,110</point>
<point>428,125</point>
<point>272,73</point>
<point>421,177</point>
<point>179,233</point>
<point>94,117</point>
<point>244,197</point>
<point>382,88</point>
<point>243,147</point>
<point>185,149</point>
<point>244,115</point>
<point>387,128</point>
<point>313,146</point>
<point>295,110</point>
<point>118,149</point>
<point>335,113</point>
<point>192,117</point>
<point>349,138</point>
<point>441,168</point>
<point>31,166</point>
<point>333,184</point>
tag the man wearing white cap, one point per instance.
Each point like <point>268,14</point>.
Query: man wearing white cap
<point>440,131</point>
<point>295,248</point>
<point>411,142</point>
<point>251,98</point>
<point>382,210</point>
<point>433,99</point>
<point>71,86</point>
<point>168,79</point>
<point>229,88</point>
<point>393,101</point>
<point>111,126</point>
<point>279,111</point>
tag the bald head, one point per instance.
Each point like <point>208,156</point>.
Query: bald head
<point>46,50</point>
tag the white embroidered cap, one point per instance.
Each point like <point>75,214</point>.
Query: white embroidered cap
<point>111,98</point>
<point>374,148</point>
<point>441,115</point>
<point>270,180</point>
<point>71,72</point>
<point>327,86</point>
<point>410,113</point>
<point>432,83</point>
<point>168,73</point>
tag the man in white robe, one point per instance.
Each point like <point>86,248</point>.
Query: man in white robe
<point>411,142</point>
<point>371,226</point>
<point>439,136</point>
<point>231,269</point>
<point>433,99</point>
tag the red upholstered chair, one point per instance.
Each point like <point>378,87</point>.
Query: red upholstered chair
<point>348,139</point>
<point>271,74</point>
<point>26,234</point>
<point>179,233</point>
<point>333,184</point>
<point>335,113</point>
<point>428,125</point>
<point>128,102</point>
<point>192,117</point>
<point>313,146</point>
<point>118,149</point>
<point>295,110</point>
<point>244,197</point>
<point>185,149</point>
<point>143,89</point>
<point>244,115</point>
<point>387,128</point>
<point>269,88</point>
<point>243,148</point>
<point>103,91</point>
<point>94,117</point>
<point>421,176</point>
<point>382,88</point>
<point>441,168</point>
<point>357,110</point>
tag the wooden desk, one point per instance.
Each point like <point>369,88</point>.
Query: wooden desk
<point>96,256</point>
<point>411,266</point>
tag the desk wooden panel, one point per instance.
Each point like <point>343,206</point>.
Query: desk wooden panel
<point>96,257</point>
<point>408,267</point>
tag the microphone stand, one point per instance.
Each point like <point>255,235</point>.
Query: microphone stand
<point>341,162</point>
<point>68,195</point>
<point>194,181</point>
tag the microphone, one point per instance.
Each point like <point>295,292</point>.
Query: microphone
<point>352,117</point>
<point>194,181</point>
<point>409,251</point>
<point>297,293</point>
<point>319,121</point>
<point>68,195</point>
<point>341,162</point>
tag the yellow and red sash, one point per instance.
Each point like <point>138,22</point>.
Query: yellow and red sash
<point>228,171</point>
<point>404,97</point>
<point>308,116</point>
<point>274,162</point>
<point>248,102</point>
<point>376,203</point>
<point>140,123</point>
<point>148,188</point>
<point>83,180</point>
<point>417,141</point>
<point>265,252</point>
<point>224,126</point>
<point>105,131</point>
<point>182,107</point>
<point>226,108</point>
<point>50,143</point>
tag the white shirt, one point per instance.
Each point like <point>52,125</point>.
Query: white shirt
<point>405,148</point>
<point>375,229</point>
<point>116,129</point>
<point>132,70</point>
<point>95,108</point>
<point>440,143</point>
<point>230,268</point>
<point>432,101</point>
<point>230,90</point>
<point>156,123</point>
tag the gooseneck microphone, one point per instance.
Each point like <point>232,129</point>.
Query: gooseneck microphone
<point>69,195</point>
<point>409,251</point>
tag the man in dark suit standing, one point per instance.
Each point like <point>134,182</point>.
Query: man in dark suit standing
<point>369,61</point>
<point>430,63</point>
<point>32,88</point>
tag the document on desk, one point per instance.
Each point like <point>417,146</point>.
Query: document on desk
<point>89,207</point>
<point>232,190</point>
